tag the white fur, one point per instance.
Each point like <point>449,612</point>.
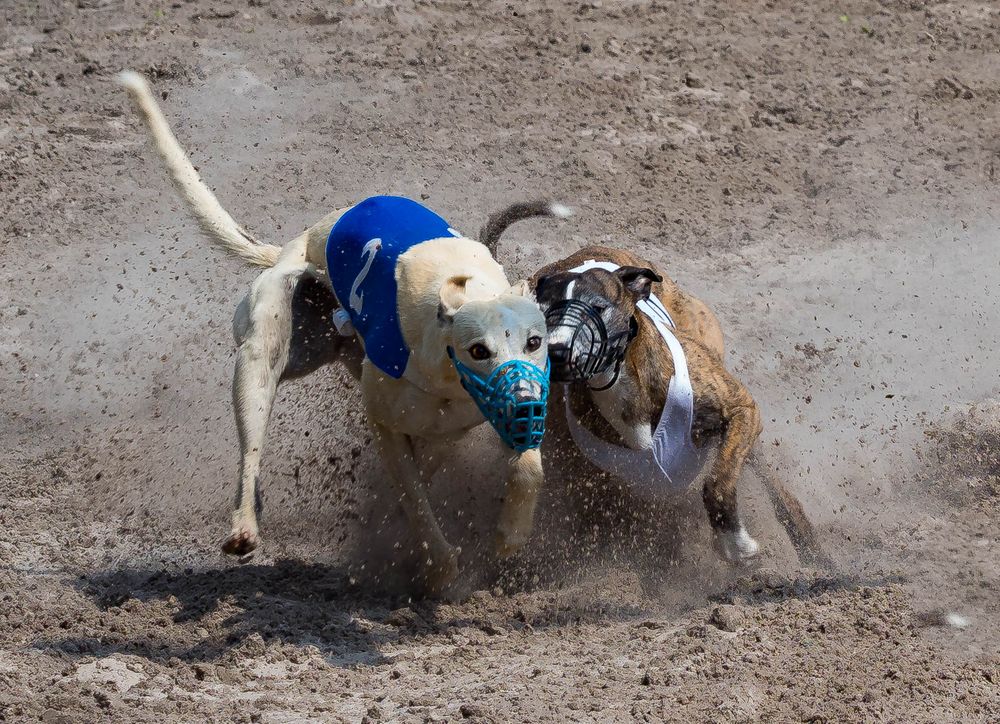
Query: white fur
<point>560,211</point>
<point>560,335</point>
<point>451,294</point>
<point>612,401</point>
<point>736,547</point>
<point>956,620</point>
<point>563,334</point>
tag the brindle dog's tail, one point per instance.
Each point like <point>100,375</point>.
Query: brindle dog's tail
<point>498,222</point>
<point>790,514</point>
<point>214,220</point>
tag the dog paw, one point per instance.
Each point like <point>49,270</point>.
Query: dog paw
<point>736,546</point>
<point>440,570</point>
<point>242,541</point>
<point>507,544</point>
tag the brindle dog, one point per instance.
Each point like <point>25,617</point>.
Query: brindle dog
<point>635,394</point>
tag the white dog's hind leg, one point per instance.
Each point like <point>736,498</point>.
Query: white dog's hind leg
<point>439,559</point>
<point>524,482</point>
<point>263,331</point>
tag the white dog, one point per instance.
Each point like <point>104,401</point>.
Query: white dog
<point>447,342</point>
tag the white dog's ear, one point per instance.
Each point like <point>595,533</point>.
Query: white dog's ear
<point>520,289</point>
<point>452,297</point>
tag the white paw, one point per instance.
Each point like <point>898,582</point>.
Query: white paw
<point>507,544</point>
<point>736,547</point>
<point>440,569</point>
<point>513,529</point>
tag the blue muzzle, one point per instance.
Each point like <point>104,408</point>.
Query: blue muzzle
<point>512,399</point>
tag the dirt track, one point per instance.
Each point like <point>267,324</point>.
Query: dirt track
<point>825,175</point>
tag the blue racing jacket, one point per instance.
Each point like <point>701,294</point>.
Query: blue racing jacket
<point>361,254</point>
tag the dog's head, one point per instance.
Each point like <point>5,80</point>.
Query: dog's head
<point>590,317</point>
<point>498,347</point>
<point>487,333</point>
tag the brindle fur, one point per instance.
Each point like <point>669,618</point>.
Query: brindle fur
<point>724,410</point>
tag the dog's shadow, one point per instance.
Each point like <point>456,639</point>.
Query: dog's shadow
<point>224,614</point>
<point>207,615</point>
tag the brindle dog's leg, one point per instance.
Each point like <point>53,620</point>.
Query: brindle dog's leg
<point>790,514</point>
<point>742,427</point>
<point>724,396</point>
<point>283,330</point>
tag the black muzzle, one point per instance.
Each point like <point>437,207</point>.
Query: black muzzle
<point>589,351</point>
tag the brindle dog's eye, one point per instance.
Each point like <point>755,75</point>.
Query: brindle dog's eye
<point>480,352</point>
<point>533,344</point>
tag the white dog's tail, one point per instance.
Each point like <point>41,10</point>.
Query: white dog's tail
<point>498,222</point>
<point>214,220</point>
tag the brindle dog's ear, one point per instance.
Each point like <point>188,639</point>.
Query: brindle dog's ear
<point>539,283</point>
<point>638,280</point>
<point>452,297</point>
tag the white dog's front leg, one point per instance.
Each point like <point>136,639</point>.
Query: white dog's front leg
<point>439,559</point>
<point>517,516</point>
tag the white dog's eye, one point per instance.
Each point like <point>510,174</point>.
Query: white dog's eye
<point>480,352</point>
<point>534,343</point>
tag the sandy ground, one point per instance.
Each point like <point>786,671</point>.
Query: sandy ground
<point>825,175</point>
